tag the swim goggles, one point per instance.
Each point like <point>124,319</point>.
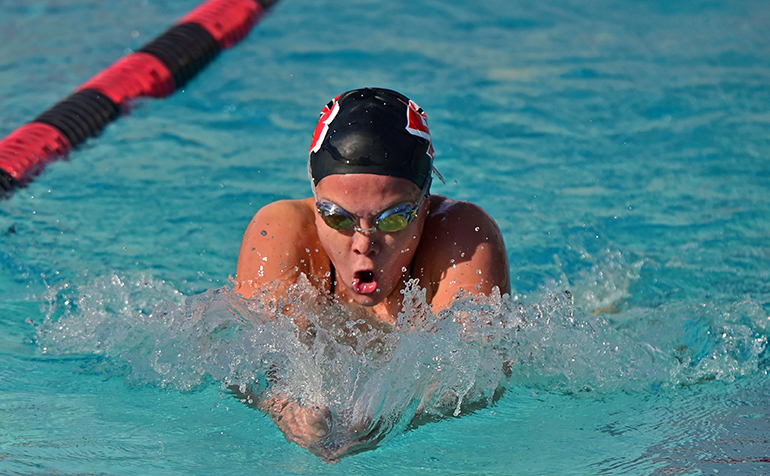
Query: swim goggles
<point>390,221</point>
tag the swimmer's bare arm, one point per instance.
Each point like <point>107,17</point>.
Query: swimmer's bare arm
<point>273,254</point>
<point>472,254</point>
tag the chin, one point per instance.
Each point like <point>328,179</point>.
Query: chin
<point>368,301</point>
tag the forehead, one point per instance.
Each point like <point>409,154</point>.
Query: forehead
<point>366,191</point>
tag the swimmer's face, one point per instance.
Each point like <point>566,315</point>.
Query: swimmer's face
<point>370,265</point>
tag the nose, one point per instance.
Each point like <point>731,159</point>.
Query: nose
<point>365,243</point>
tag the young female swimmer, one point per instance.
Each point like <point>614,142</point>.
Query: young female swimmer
<point>370,226</point>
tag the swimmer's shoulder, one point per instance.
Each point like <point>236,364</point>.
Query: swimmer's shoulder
<point>447,214</point>
<point>460,238</point>
<point>454,224</point>
<point>275,245</point>
<point>283,218</point>
<point>282,228</point>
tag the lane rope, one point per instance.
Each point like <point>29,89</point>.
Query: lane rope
<point>157,70</point>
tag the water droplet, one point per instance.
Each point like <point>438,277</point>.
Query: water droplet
<point>478,271</point>
<point>477,228</point>
<point>264,232</point>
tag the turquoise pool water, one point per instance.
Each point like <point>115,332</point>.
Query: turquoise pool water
<point>622,147</point>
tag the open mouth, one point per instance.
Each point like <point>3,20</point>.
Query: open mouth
<point>364,282</point>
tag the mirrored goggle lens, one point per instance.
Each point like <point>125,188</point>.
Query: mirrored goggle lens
<point>393,223</point>
<point>338,221</point>
<point>396,219</point>
<point>390,221</point>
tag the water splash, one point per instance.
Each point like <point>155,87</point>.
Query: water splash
<point>384,378</point>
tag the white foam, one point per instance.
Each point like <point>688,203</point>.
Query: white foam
<point>377,378</point>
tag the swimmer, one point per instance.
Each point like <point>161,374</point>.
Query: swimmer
<point>370,226</point>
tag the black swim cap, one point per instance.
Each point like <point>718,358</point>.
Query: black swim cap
<point>372,131</point>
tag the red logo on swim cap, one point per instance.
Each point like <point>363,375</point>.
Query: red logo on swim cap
<point>327,116</point>
<point>417,125</point>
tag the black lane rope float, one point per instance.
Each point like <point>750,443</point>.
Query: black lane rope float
<point>158,69</point>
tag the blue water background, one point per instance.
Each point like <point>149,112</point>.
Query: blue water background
<point>621,146</point>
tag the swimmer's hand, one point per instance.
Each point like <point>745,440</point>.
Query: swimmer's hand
<point>359,438</point>
<point>310,426</point>
<point>305,425</point>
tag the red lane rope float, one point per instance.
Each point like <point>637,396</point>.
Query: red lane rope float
<point>135,75</point>
<point>158,69</point>
<point>29,146</point>
<point>226,28</point>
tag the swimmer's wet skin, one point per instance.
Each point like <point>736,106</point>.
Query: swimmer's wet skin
<point>370,227</point>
